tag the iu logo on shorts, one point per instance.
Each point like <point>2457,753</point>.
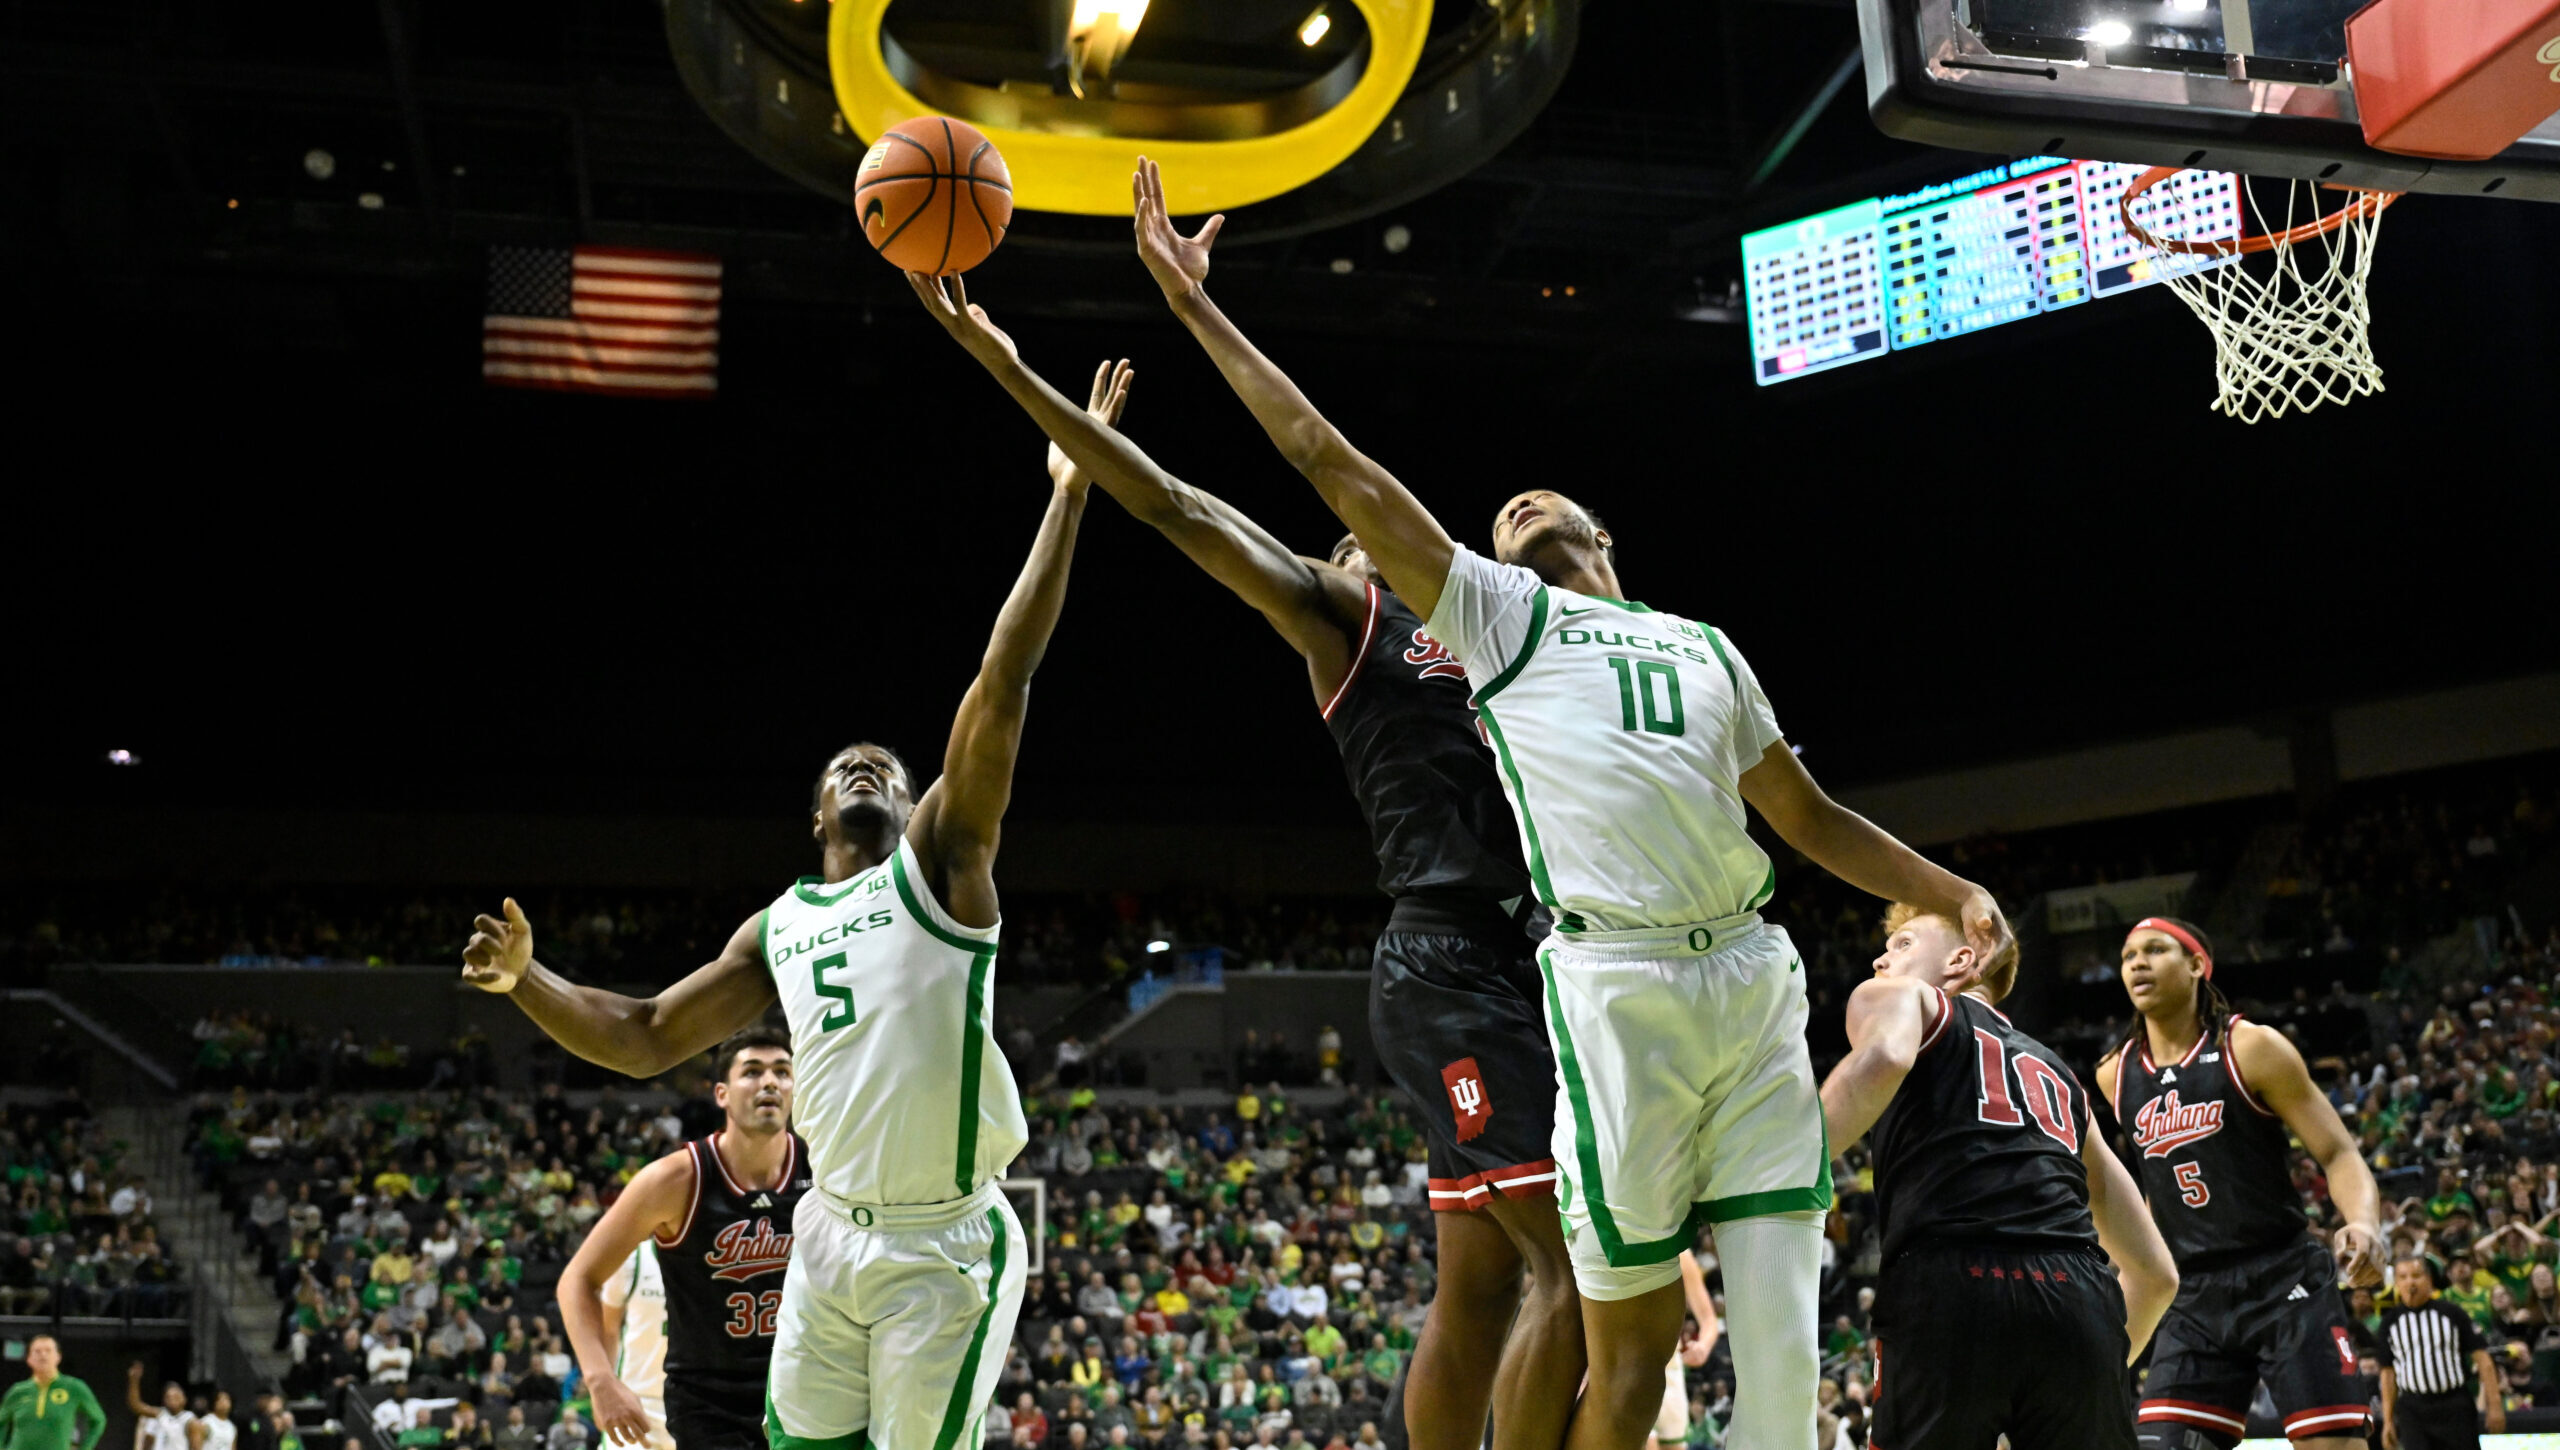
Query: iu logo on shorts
<point>1467,1100</point>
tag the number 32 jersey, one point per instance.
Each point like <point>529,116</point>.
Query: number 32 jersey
<point>1622,734</point>
<point>903,1095</point>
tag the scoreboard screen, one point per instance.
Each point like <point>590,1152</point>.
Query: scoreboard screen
<point>1899,272</point>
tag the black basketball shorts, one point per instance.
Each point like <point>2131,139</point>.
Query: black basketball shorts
<point>707,1414</point>
<point>2437,1422</point>
<point>2276,1317</point>
<point>1459,1027</point>
<point>1972,1344</point>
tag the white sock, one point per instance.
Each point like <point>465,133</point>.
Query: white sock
<point>1772,1285</point>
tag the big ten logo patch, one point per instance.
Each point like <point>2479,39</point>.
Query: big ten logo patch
<point>1433,659</point>
<point>1468,1101</point>
<point>1688,630</point>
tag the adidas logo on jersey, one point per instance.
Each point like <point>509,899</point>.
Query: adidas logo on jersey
<point>763,1200</point>
<point>2168,1074</point>
<point>2299,1292</point>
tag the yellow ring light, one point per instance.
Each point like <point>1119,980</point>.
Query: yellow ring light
<point>1089,175</point>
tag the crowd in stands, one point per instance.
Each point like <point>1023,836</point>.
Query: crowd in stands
<point>76,1231</point>
<point>1257,1273</point>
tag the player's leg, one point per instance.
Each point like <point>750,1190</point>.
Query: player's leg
<point>1461,1029</point>
<point>1628,1047</point>
<point>1767,1165</point>
<point>946,1301</point>
<point>1544,1361</point>
<point>1671,1422</point>
<point>2297,1323</point>
<point>2068,1340</point>
<point>818,1391</point>
<point>2196,1396</point>
<point>1628,1340</point>
<point>1449,1386</point>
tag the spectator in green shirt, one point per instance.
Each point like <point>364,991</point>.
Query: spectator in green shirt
<point>2467,1289</point>
<point>41,1411</point>
<point>2450,1198</point>
<point>1381,1363</point>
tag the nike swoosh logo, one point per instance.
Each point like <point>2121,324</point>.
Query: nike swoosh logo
<point>1569,613</point>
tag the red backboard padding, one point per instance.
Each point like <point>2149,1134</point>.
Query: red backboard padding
<point>2454,79</point>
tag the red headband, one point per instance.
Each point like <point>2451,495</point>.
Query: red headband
<point>2181,935</point>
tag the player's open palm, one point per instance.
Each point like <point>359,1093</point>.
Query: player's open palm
<point>499,950</point>
<point>1179,264</point>
<point>964,320</point>
<point>1109,397</point>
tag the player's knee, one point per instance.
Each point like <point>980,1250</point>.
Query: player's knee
<point>2161,1435</point>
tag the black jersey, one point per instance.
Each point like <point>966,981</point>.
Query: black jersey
<point>723,1270</point>
<point>2210,1156</point>
<point>1981,1145</point>
<point>1448,848</point>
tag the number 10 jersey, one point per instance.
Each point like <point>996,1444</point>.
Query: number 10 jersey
<point>1622,734</point>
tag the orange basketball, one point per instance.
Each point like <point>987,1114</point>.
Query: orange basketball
<point>933,196</point>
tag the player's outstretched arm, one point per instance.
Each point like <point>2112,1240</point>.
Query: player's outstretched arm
<point>1889,1018</point>
<point>1702,1307</point>
<point>955,826</point>
<point>1312,605</point>
<point>1856,850</point>
<point>2144,1269</point>
<point>1408,544</point>
<point>637,1037</point>
<point>655,1202</point>
<point>2273,1073</point>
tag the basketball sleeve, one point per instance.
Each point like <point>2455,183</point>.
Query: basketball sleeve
<point>2473,1341</point>
<point>1758,723</point>
<point>1484,612</point>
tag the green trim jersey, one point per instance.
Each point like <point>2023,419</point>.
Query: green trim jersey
<point>44,1417</point>
<point>640,1354</point>
<point>903,1096</point>
<point>1622,734</point>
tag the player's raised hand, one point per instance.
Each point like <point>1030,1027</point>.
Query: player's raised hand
<point>1985,927</point>
<point>967,322</point>
<point>1178,263</point>
<point>1110,396</point>
<point>498,953</point>
<point>2359,1253</point>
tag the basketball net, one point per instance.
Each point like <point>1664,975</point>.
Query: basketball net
<point>2291,326</point>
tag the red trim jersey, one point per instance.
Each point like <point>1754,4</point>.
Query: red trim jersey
<point>1980,1147</point>
<point>723,1271</point>
<point>2210,1157</point>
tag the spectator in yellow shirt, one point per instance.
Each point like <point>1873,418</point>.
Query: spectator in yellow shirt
<point>394,1265</point>
<point>1248,1107</point>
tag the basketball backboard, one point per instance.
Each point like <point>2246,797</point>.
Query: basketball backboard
<point>2259,87</point>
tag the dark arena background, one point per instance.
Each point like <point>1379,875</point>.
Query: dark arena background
<point>318,645</point>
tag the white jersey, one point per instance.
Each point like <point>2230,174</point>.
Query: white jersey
<point>1622,734</point>
<point>640,1355</point>
<point>165,1429</point>
<point>219,1433</point>
<point>903,1096</point>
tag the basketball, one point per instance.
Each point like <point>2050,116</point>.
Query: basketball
<point>934,196</point>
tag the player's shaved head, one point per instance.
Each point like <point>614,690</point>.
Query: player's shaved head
<point>1535,526</point>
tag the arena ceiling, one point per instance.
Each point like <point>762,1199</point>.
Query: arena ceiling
<point>276,537</point>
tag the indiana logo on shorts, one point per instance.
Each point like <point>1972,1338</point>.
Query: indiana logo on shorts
<point>2165,1124</point>
<point>1467,1099</point>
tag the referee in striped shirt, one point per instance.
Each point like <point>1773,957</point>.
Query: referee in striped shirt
<point>2430,1351</point>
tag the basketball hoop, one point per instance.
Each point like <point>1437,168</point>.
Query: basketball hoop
<point>2286,307</point>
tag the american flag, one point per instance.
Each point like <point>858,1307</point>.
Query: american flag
<point>602,320</point>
